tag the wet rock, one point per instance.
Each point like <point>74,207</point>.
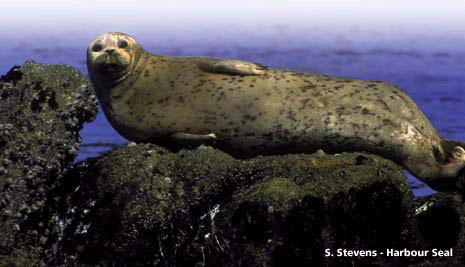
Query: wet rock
<point>146,206</point>
<point>290,221</point>
<point>441,223</point>
<point>42,109</point>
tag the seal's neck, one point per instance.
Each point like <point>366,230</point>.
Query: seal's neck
<point>110,88</point>
<point>109,82</point>
<point>120,85</point>
<point>121,78</point>
<point>132,68</point>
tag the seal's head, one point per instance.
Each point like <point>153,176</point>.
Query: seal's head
<point>112,56</point>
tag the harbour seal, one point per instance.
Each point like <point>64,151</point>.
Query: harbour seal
<point>247,109</point>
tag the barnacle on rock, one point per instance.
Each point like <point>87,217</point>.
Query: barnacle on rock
<point>36,146</point>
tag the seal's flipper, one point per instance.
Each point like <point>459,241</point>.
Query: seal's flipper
<point>456,163</point>
<point>458,153</point>
<point>443,176</point>
<point>187,138</point>
<point>233,67</point>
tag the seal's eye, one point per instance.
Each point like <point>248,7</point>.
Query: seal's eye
<point>122,44</point>
<point>97,47</point>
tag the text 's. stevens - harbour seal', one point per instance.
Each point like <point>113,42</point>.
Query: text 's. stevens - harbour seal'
<point>247,109</point>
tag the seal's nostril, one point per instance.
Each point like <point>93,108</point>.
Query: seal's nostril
<point>110,51</point>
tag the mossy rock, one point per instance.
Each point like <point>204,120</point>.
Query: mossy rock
<point>42,109</point>
<point>351,201</point>
<point>146,206</point>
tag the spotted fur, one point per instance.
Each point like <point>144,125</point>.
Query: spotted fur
<point>254,110</point>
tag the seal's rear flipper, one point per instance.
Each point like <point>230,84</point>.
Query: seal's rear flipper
<point>450,173</point>
<point>449,145</point>
<point>442,169</point>
<point>455,164</point>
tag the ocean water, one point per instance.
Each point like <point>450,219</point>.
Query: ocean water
<point>424,57</point>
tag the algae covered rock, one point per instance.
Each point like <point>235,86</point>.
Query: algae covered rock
<point>42,109</point>
<point>146,206</point>
<point>139,205</point>
<point>309,215</point>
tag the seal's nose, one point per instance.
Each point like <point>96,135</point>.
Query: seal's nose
<point>110,51</point>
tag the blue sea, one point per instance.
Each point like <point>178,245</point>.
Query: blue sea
<point>424,54</point>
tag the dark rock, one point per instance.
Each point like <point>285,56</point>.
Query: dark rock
<point>145,206</point>
<point>292,222</point>
<point>42,109</point>
<point>441,219</point>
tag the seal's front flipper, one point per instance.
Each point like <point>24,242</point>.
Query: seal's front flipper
<point>192,139</point>
<point>233,67</point>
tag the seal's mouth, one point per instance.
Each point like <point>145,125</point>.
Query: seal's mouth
<point>111,68</point>
<point>110,64</point>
